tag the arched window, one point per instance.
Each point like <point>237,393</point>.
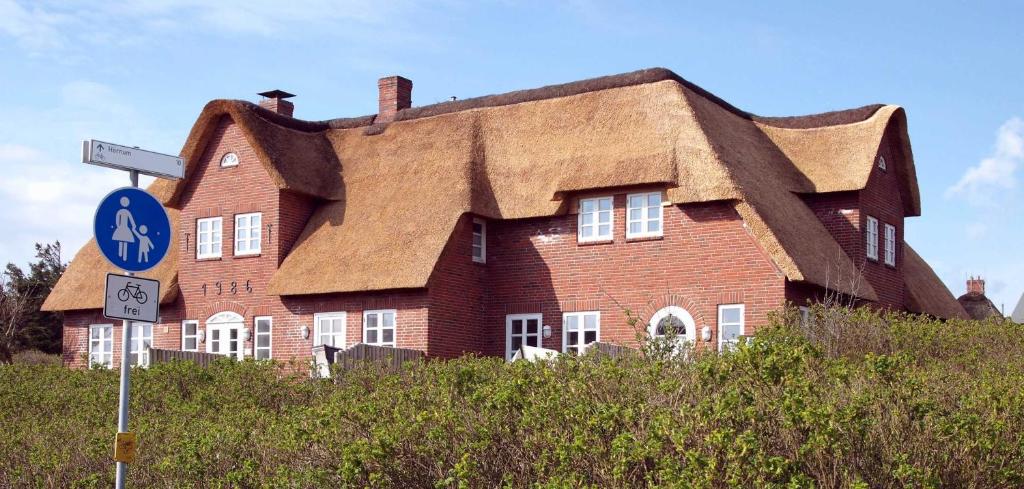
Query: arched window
<point>676,319</point>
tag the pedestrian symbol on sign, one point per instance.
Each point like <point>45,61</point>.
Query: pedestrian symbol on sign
<point>132,229</point>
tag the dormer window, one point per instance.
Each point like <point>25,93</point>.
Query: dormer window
<point>881,163</point>
<point>595,220</point>
<point>228,160</point>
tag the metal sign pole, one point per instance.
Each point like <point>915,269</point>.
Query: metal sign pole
<point>126,339</point>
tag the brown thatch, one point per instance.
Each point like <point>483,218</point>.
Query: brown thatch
<point>393,195</point>
<point>81,286</point>
<point>925,292</point>
<point>978,306</point>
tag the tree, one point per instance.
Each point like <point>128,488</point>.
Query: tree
<point>25,326</point>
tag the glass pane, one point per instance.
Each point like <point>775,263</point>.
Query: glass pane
<point>517,342</point>
<point>371,336</point>
<point>606,204</point>
<point>133,359</point>
<point>190,328</point>
<point>190,344</point>
<point>531,326</point>
<point>635,213</point>
<point>636,201</point>
<point>262,354</point>
<point>215,334</point>
<point>389,319</point>
<point>653,226</point>
<point>477,240</point>
<point>262,326</point>
<point>587,219</point>
<point>325,340</point>
<point>573,339</point>
<point>233,346</point>
<point>635,227</point>
<point>587,232</point>
<point>532,340</point>
<point>256,220</point>
<point>389,335</point>
<point>263,341</point>
<point>654,199</point>
<point>571,323</point>
<point>731,314</point>
<point>587,205</point>
<point>371,320</point>
<point>477,228</point>
<point>604,230</point>
<point>204,226</point>
<point>233,333</point>
<point>589,337</point>
<point>95,333</point>
<point>652,212</point>
<point>517,326</point>
<point>604,217</point>
<point>730,331</point>
<point>590,321</point>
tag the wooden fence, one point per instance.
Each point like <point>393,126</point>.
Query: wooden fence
<point>157,355</point>
<point>391,358</point>
<point>612,350</point>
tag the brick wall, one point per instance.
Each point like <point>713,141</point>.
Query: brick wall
<point>706,258</point>
<point>456,290</point>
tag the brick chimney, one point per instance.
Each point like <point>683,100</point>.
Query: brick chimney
<point>395,94</point>
<point>976,286</point>
<point>274,101</point>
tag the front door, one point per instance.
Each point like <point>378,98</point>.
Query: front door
<point>521,329</point>
<point>224,334</point>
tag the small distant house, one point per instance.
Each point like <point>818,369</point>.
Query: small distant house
<point>529,218</point>
<point>977,305</point>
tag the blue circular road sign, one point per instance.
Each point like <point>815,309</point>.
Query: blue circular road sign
<point>132,229</point>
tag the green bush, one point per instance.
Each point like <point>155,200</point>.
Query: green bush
<point>853,399</point>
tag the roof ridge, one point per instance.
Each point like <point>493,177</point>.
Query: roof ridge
<point>632,78</point>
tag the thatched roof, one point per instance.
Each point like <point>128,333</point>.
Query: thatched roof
<point>978,306</point>
<point>925,292</point>
<point>392,193</point>
<point>81,285</point>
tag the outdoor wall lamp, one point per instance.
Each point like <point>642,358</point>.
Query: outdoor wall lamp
<point>705,333</point>
<point>304,332</point>
<point>245,334</point>
<point>201,334</point>
<point>546,330</point>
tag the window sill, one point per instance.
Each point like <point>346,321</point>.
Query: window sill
<point>479,262</point>
<point>595,242</point>
<point>248,255</point>
<point>210,258</point>
<point>636,239</point>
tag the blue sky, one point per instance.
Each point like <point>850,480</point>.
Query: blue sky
<point>140,72</point>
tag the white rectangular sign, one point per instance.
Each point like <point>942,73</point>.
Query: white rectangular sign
<point>127,158</point>
<point>132,298</point>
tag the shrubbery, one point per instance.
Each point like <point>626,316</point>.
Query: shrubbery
<point>854,400</point>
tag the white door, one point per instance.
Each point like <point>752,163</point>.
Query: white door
<point>521,329</point>
<point>224,334</point>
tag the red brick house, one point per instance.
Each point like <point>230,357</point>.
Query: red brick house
<point>532,217</point>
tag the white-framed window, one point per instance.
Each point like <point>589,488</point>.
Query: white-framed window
<point>142,340</point>
<point>871,234</point>
<point>479,240</point>
<point>643,215</point>
<point>580,329</point>
<point>229,160</point>
<point>101,345</point>
<point>881,163</point>
<point>247,233</point>
<point>190,335</point>
<point>676,319</point>
<point>379,327</point>
<point>522,329</point>
<point>329,329</point>
<point>730,325</point>
<point>595,219</point>
<point>262,326</point>
<point>208,240</point>
<point>890,244</point>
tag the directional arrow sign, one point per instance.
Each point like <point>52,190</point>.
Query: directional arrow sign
<point>132,298</point>
<point>128,158</point>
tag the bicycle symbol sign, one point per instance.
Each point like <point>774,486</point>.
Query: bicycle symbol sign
<point>132,298</point>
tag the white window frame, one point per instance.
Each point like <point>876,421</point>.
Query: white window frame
<point>871,235</point>
<point>722,342</point>
<point>580,317</point>
<point>138,346</point>
<point>890,244</point>
<point>342,335</point>
<point>216,246</point>
<point>881,163</point>
<point>186,336</point>
<point>107,362</point>
<point>645,217</point>
<point>226,162</point>
<point>256,348</point>
<point>523,317</point>
<point>596,223</point>
<point>248,240</point>
<point>482,257</point>
<point>380,327</point>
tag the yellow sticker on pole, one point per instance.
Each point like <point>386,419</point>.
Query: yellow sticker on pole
<point>125,445</point>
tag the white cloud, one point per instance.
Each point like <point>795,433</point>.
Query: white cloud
<point>34,29</point>
<point>996,173</point>
<point>977,230</point>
